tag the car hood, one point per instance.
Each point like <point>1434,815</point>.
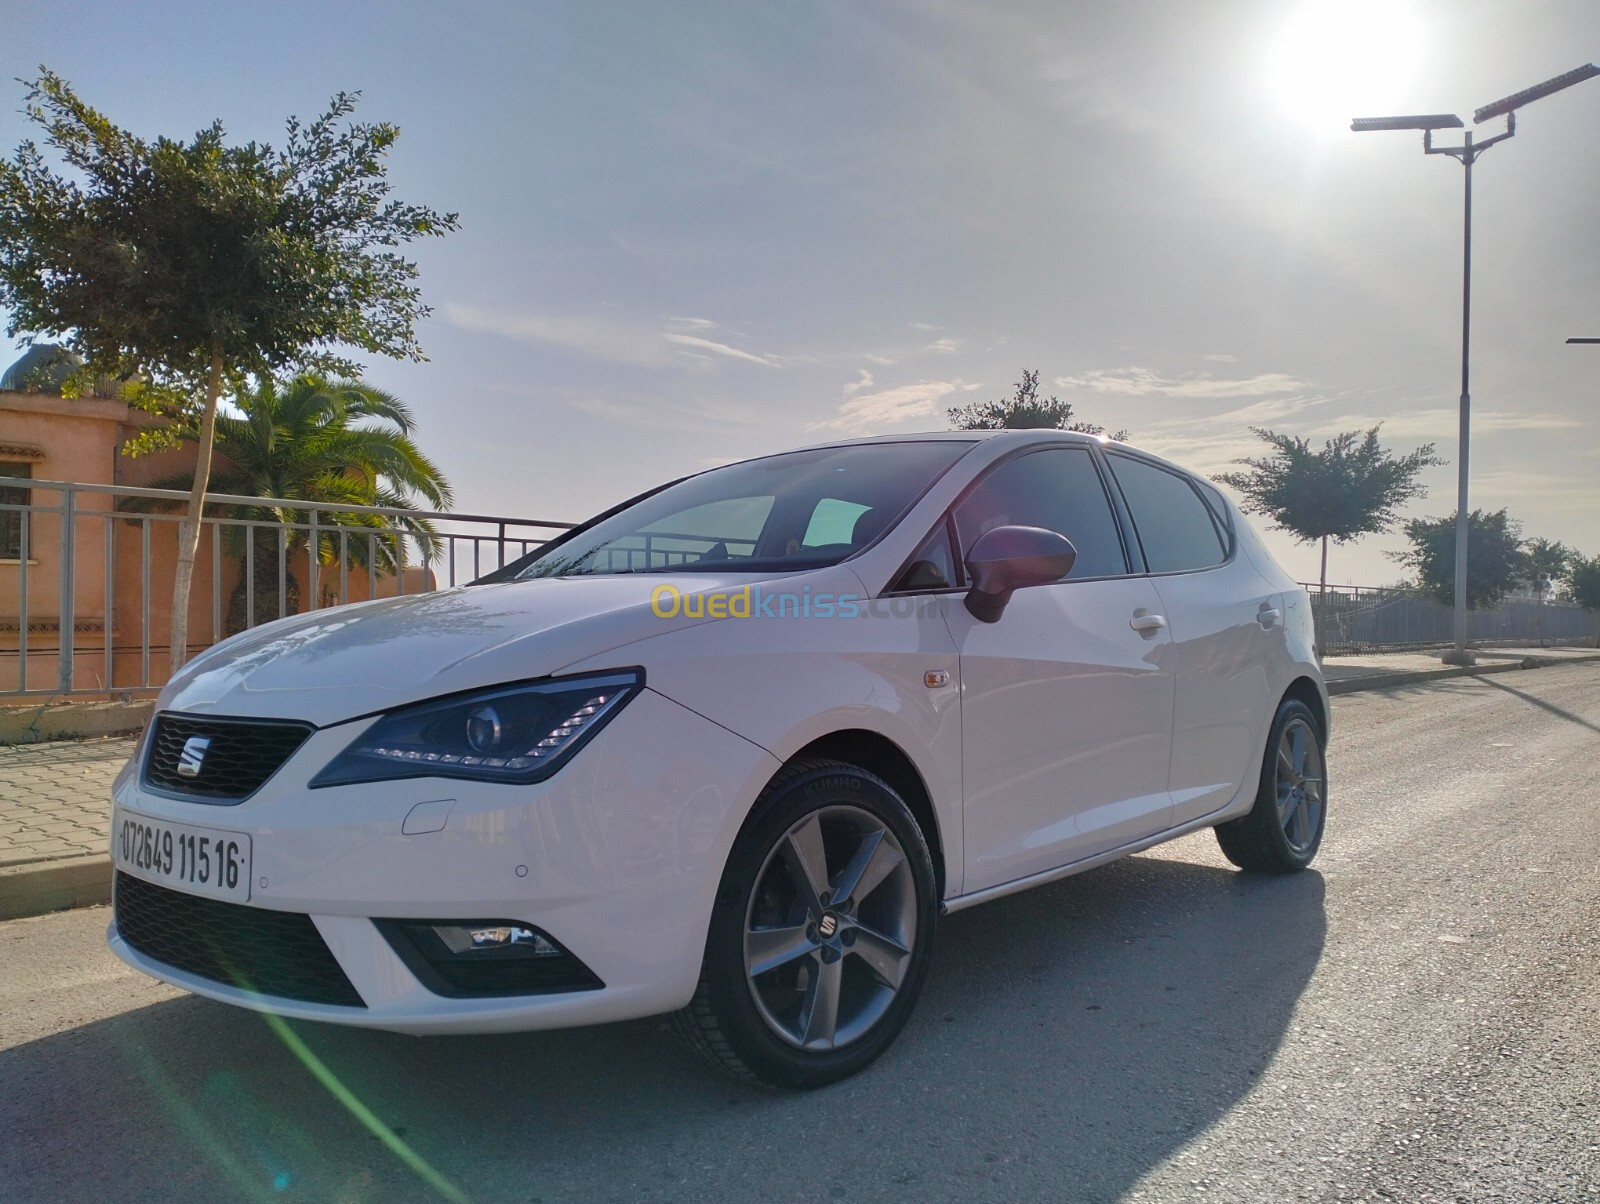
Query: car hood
<point>333,665</point>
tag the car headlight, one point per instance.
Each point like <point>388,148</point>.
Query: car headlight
<point>514,734</point>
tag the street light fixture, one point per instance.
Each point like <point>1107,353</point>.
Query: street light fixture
<point>1467,153</point>
<point>1583,340</point>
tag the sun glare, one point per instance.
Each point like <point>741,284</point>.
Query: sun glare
<point>1332,61</point>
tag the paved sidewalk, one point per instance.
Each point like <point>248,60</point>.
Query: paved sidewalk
<point>55,820</point>
<point>1378,670</point>
<point>55,798</point>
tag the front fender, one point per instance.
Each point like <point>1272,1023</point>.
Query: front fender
<point>784,682</point>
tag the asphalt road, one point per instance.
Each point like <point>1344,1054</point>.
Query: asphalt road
<point>1416,1019</point>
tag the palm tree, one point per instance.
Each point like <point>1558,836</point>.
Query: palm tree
<point>309,438</point>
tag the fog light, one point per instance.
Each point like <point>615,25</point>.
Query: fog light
<point>477,958</point>
<point>511,938</point>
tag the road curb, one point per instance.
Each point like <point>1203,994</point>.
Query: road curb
<point>72,721</point>
<point>1382,681</point>
<point>34,888</point>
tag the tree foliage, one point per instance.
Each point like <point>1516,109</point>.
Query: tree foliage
<point>1545,563</point>
<point>1495,561</point>
<point>1583,582</point>
<point>1024,410</point>
<point>1350,488</point>
<point>150,258</point>
<point>185,264</point>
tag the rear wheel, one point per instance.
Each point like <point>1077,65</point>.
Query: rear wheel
<point>1283,830</point>
<point>822,931</point>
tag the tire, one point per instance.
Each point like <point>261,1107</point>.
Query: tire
<point>1282,832</point>
<point>782,947</point>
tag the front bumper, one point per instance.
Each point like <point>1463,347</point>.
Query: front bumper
<point>617,857</point>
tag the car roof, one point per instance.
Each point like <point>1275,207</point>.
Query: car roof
<point>1020,437</point>
<point>1012,436</point>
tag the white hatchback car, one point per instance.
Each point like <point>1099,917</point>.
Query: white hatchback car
<point>727,750</point>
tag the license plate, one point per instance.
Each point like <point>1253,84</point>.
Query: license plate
<point>202,861</point>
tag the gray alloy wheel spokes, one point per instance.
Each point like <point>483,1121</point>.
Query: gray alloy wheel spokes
<point>1299,785</point>
<point>829,928</point>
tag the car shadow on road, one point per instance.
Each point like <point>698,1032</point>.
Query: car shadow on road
<point>1070,1040</point>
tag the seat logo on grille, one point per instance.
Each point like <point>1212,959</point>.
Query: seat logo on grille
<point>193,756</point>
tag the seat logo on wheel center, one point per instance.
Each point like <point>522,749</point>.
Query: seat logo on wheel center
<point>828,925</point>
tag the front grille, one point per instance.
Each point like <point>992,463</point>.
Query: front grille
<point>277,953</point>
<point>231,758</point>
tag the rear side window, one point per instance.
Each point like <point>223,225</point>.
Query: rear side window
<point>1059,489</point>
<point>1176,528</point>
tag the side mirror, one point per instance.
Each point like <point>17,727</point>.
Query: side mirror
<point>1012,558</point>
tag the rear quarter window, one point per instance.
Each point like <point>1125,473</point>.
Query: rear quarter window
<point>1176,528</point>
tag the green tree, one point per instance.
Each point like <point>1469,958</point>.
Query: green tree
<point>1350,488</point>
<point>1545,565</point>
<point>1583,585</point>
<point>317,440</point>
<point>186,265</point>
<point>1024,410</point>
<point>1546,562</point>
<point>1495,562</point>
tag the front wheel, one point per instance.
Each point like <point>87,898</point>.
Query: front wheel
<point>1283,830</point>
<point>822,931</point>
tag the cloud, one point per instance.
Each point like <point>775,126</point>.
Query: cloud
<point>883,361</point>
<point>690,340</point>
<point>1445,423</point>
<point>863,381</point>
<point>944,346</point>
<point>1143,382</point>
<point>923,326</point>
<point>1220,357</point>
<point>1580,495</point>
<point>867,414</point>
<point>604,339</point>
<point>597,338</point>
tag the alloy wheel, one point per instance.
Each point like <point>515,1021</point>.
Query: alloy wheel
<point>1299,786</point>
<point>830,928</point>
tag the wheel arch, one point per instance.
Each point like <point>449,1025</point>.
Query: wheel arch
<point>878,754</point>
<point>1304,689</point>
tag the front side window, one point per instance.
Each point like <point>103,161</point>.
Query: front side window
<point>1176,529</point>
<point>13,522</point>
<point>801,510</point>
<point>1058,489</point>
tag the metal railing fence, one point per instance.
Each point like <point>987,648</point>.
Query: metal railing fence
<point>85,581</point>
<point>1365,618</point>
<point>89,577</point>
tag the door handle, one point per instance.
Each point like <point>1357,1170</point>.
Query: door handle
<point>1145,621</point>
<point>1268,616</point>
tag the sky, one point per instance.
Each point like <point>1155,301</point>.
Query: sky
<point>696,232</point>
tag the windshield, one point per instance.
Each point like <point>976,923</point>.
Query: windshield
<point>801,510</point>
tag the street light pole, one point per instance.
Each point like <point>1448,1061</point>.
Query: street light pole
<point>1464,443</point>
<point>1468,153</point>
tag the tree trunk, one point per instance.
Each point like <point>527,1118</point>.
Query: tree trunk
<point>189,528</point>
<point>1322,602</point>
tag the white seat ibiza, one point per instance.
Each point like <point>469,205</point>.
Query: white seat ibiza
<point>727,750</point>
